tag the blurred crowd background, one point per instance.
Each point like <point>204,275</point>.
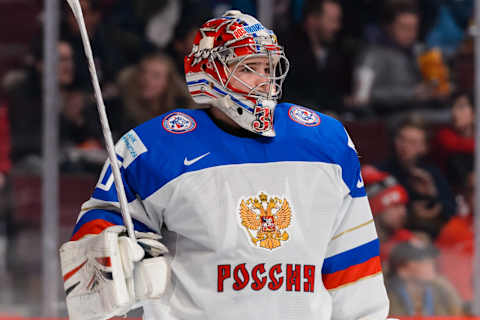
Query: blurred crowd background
<point>398,73</point>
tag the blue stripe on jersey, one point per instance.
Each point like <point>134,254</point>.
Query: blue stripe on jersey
<point>351,257</point>
<point>110,216</point>
<point>107,175</point>
<point>294,142</point>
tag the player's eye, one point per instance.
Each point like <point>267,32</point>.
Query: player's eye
<point>246,69</point>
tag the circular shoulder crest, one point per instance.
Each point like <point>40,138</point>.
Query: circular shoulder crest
<point>304,116</point>
<point>178,123</point>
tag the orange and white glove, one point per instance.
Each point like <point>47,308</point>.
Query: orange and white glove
<point>108,274</point>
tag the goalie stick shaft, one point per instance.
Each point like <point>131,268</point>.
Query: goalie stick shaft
<point>127,219</point>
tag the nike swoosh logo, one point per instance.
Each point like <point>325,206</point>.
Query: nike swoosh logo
<point>190,162</point>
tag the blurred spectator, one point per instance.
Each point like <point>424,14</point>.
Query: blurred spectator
<point>132,16</point>
<point>387,76</point>
<point>431,200</point>
<point>108,60</point>
<point>360,18</point>
<point>183,36</point>
<point>388,201</point>
<point>449,26</point>
<point>148,89</point>
<point>153,22</point>
<point>322,69</point>
<point>285,14</point>
<point>163,26</point>
<point>161,22</point>
<point>413,285</point>
<point>363,18</point>
<point>456,243</point>
<point>25,106</point>
<point>80,136</point>
<point>454,145</point>
<point>124,23</point>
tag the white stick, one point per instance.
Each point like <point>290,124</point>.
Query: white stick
<point>127,219</point>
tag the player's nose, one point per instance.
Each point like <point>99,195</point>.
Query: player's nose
<point>261,83</point>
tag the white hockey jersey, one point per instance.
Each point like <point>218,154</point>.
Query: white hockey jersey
<point>257,228</point>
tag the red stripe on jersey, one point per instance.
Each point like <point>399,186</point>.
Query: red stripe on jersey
<point>352,274</point>
<point>91,227</point>
<point>69,274</point>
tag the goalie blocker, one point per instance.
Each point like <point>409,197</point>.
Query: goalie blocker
<point>105,275</point>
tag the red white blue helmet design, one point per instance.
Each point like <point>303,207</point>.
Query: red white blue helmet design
<point>221,46</point>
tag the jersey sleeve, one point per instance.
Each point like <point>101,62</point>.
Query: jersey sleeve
<point>102,210</point>
<point>351,271</point>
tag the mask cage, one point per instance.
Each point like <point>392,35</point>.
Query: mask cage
<point>278,64</point>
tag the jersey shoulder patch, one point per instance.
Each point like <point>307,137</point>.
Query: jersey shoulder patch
<point>179,123</point>
<point>304,116</point>
<point>130,147</point>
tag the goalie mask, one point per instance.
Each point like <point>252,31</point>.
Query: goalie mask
<point>237,66</point>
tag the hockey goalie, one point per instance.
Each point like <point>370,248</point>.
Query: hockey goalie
<point>246,209</point>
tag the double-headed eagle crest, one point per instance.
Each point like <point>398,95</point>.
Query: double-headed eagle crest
<point>268,217</point>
